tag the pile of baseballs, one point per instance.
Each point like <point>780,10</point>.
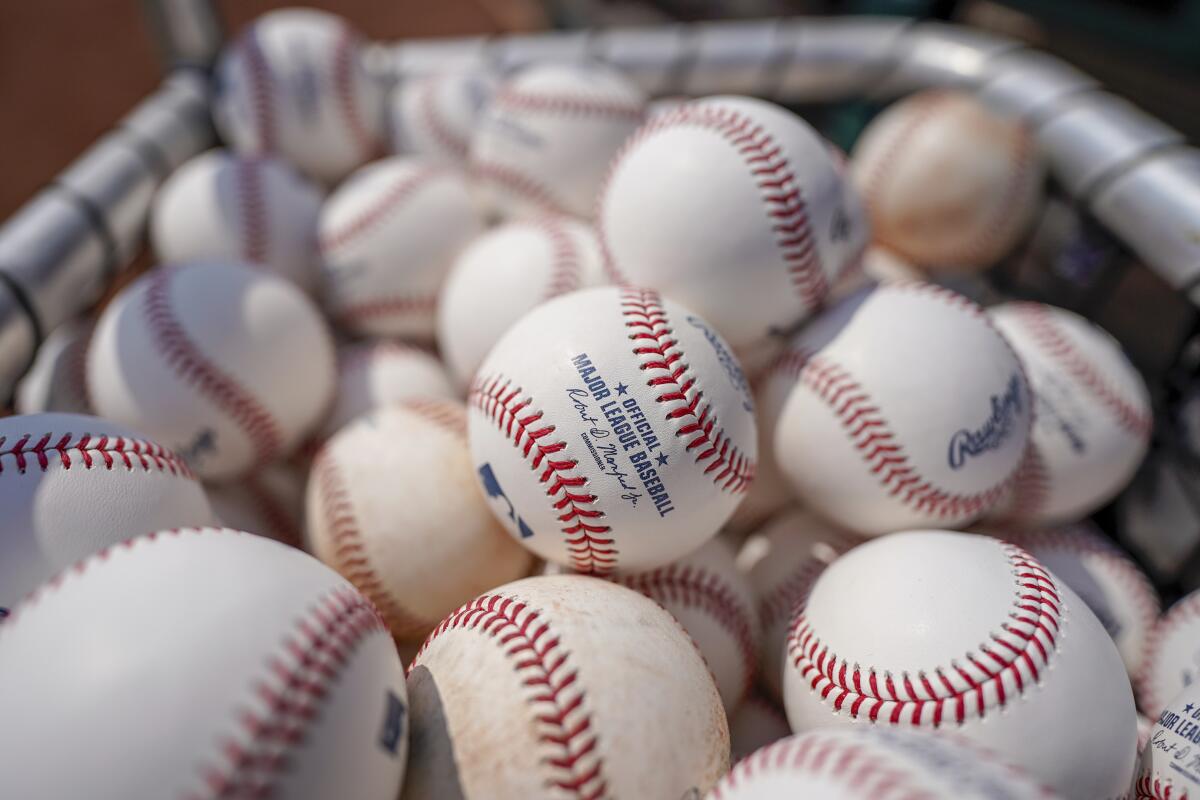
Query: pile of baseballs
<point>504,436</point>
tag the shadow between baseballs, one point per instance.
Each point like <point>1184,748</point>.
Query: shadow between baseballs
<point>429,743</point>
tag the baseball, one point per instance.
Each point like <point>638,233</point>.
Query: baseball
<point>393,506</point>
<point>1091,409</point>
<point>226,365</point>
<point>730,182</point>
<point>222,206</point>
<point>1107,580</point>
<point>388,236</point>
<point>57,379</point>
<point>918,407</point>
<point>502,275</point>
<point>545,141</point>
<point>201,663</point>
<point>948,185</point>
<point>433,116</point>
<point>757,722</point>
<point>371,375</point>
<point>612,430</point>
<point>293,83</point>
<point>527,692</point>
<point>714,604</point>
<point>1167,768</point>
<point>965,633</point>
<point>269,502</point>
<point>873,763</point>
<point>1172,659</point>
<point>71,485</point>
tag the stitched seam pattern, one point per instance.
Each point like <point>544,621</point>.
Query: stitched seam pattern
<point>697,588</point>
<point>190,364</point>
<point>280,522</point>
<point>294,686</point>
<point>1183,613</point>
<point>262,109</point>
<point>391,199</point>
<point>382,308</point>
<point>89,451</point>
<point>441,132</point>
<point>75,356</point>
<point>1041,325</point>
<point>589,543</point>
<point>780,602</point>
<point>445,414</point>
<point>1031,487</point>
<point>350,554</point>
<point>564,258</point>
<point>1150,788</point>
<point>780,190</point>
<point>248,170</point>
<point>343,85</point>
<point>680,396</point>
<point>557,699</point>
<point>528,188</point>
<point>571,105</point>
<point>1012,658</point>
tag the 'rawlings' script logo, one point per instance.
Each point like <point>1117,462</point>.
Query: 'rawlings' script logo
<point>993,432</point>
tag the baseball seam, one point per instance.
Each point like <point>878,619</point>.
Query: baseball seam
<point>360,356</point>
<point>91,450</point>
<point>1013,657</point>
<point>557,697</point>
<point>258,74</point>
<point>1185,611</point>
<point>442,133</point>
<point>570,105</point>
<point>589,544</point>
<point>445,414</point>
<point>1030,488</point>
<point>661,358</point>
<point>564,258</point>
<point>280,522</point>
<point>343,84</point>
<point>255,232</point>
<point>528,188</point>
<point>779,602</point>
<point>402,188</point>
<point>1152,788</point>
<point>386,307</point>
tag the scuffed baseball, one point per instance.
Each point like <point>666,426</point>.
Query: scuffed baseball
<point>393,506</point>
<point>293,83</point>
<point>268,502</point>
<point>502,275</point>
<point>227,365</point>
<point>1167,767</point>
<point>388,236</point>
<point>374,374</point>
<point>545,142</point>
<point>875,763</point>
<point>201,663</point>
<point>733,206</point>
<point>562,686</point>
<point>1172,659</point>
<point>948,184</point>
<point>919,409</point>
<point>1092,414</point>
<point>612,430</point>
<point>714,604</point>
<point>971,635</point>
<point>434,116</point>
<point>57,379</point>
<point>71,485</point>
<point>223,206</point>
<point>757,722</point>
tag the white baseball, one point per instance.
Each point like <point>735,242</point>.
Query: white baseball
<point>965,633</point>
<point>545,142</point>
<point>1145,728</point>
<point>948,184</point>
<point>757,722</point>
<point>505,273</point>
<point>434,116</point>
<point>612,430</point>
<point>1167,768</point>
<point>735,207</point>
<point>918,408</point>
<point>388,236</point>
<point>393,506</point>
<point>293,83</point>
<point>57,379</point>
<point>227,207</point>
<point>227,365</point>
<point>796,547</point>
<point>1172,659</point>
<point>374,374</point>
<point>714,604</point>
<point>562,686</point>
<point>1091,409</point>
<point>1104,577</point>
<point>872,764</point>
<point>201,663</point>
<point>71,485</point>
<point>268,502</point>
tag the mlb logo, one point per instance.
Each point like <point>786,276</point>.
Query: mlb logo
<point>393,723</point>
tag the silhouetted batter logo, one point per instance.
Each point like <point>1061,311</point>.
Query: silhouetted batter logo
<point>491,485</point>
<point>393,723</point>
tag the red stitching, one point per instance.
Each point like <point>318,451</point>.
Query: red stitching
<point>565,728</point>
<point>695,587</point>
<point>258,74</point>
<point>518,182</point>
<point>382,308</point>
<point>564,270</point>
<point>575,105</point>
<point>92,451</point>
<point>295,683</point>
<point>1185,611</point>
<point>446,414</point>
<point>281,523</point>
<point>402,188</point>
<point>1040,324</point>
<point>1031,486</point>
<point>427,103</point>
<point>590,547</point>
<point>255,233</point>
<point>785,597</point>
<point>350,555</point>
<point>1012,658</point>
<point>343,84</point>
<point>662,360</point>
<point>190,364</point>
<point>1152,788</point>
<point>76,357</point>
<point>780,190</point>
